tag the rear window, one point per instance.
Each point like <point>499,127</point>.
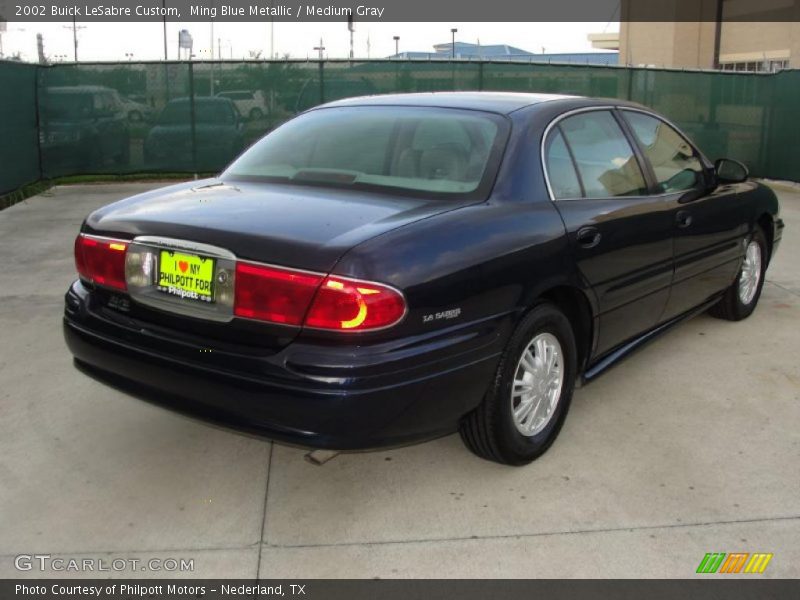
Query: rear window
<point>431,151</point>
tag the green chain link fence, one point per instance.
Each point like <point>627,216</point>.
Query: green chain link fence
<point>196,116</point>
<point>19,136</point>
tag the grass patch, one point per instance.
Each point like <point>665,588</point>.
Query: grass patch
<point>26,191</point>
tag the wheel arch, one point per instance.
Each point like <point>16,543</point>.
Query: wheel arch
<point>578,309</point>
<point>767,225</point>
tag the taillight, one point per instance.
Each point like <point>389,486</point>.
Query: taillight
<point>273,294</point>
<point>352,305</point>
<point>293,297</point>
<point>101,261</point>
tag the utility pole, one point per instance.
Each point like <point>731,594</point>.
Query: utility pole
<point>75,28</point>
<point>453,53</point>
<point>397,46</point>
<point>320,49</point>
<point>75,36</point>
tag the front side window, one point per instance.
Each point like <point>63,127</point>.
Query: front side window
<point>413,149</point>
<point>604,159</point>
<point>673,159</point>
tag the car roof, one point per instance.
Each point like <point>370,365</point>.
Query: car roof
<point>499,102</point>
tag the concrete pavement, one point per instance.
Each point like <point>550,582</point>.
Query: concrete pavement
<point>690,446</point>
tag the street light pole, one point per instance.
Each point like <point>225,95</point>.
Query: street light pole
<point>351,28</point>
<point>397,46</point>
<point>164,6</point>
<point>453,47</point>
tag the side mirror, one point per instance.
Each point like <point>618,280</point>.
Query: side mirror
<point>730,171</point>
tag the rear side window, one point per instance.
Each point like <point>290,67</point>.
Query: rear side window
<point>673,159</point>
<point>604,159</point>
<point>560,169</point>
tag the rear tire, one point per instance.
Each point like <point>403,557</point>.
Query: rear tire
<point>500,429</point>
<point>742,296</point>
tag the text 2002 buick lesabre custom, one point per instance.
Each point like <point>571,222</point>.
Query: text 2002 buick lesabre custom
<point>389,269</point>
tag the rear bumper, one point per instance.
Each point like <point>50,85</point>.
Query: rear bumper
<point>387,407</point>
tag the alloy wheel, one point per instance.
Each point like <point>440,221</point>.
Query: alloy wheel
<point>538,381</point>
<point>751,273</point>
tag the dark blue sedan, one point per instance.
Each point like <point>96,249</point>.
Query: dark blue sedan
<point>388,269</point>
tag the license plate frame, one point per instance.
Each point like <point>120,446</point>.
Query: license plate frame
<point>186,276</point>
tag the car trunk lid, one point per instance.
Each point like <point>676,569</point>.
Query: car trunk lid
<point>294,226</point>
<point>299,227</point>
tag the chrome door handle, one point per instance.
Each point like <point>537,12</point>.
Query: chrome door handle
<point>588,237</point>
<point>683,219</point>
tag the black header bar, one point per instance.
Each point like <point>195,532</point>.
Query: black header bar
<point>399,10</point>
<point>731,588</point>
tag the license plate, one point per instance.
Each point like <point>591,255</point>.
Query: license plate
<point>186,275</point>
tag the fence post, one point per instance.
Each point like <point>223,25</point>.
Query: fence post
<point>37,108</point>
<point>192,118</point>
<point>766,124</point>
<point>321,82</point>
<point>629,91</point>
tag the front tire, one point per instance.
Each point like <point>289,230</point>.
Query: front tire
<point>524,409</point>
<point>742,296</point>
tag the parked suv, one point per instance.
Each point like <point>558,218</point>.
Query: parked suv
<point>83,126</point>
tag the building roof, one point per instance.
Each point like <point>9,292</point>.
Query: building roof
<point>490,50</point>
<point>505,52</point>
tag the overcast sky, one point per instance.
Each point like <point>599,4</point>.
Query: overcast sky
<point>112,41</point>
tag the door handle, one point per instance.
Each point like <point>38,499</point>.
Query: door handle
<point>683,219</point>
<point>588,237</point>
